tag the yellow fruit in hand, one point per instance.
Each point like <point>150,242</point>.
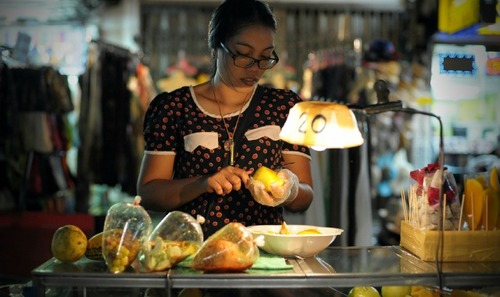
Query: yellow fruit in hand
<point>268,177</point>
<point>363,292</point>
<point>395,291</point>
<point>69,244</point>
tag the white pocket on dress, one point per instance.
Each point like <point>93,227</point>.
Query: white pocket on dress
<point>209,140</point>
<point>271,131</point>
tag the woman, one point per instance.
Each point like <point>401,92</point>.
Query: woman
<point>204,142</point>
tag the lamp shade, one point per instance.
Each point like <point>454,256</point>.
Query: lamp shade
<point>321,125</point>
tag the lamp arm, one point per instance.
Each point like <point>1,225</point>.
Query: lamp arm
<point>440,243</point>
<point>377,108</point>
<point>383,105</point>
<point>441,141</point>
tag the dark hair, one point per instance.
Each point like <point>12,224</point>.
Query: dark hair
<point>233,15</point>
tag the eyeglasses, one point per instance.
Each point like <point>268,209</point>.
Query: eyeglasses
<point>247,61</point>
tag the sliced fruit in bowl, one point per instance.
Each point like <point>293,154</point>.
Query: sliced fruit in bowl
<point>301,241</point>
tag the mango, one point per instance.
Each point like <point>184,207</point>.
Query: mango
<point>474,202</point>
<point>494,179</point>
<point>69,244</point>
<point>482,180</point>
<point>284,228</point>
<point>491,209</point>
<point>268,177</point>
<point>308,231</point>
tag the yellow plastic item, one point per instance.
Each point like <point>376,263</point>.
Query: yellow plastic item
<point>455,15</point>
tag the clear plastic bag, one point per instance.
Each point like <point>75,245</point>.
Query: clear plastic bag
<point>230,249</point>
<point>175,238</point>
<point>424,199</point>
<point>126,227</point>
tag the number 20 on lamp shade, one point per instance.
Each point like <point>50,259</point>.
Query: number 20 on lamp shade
<point>321,125</point>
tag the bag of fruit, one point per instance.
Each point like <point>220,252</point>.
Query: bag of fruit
<point>231,248</point>
<point>126,227</point>
<point>175,238</point>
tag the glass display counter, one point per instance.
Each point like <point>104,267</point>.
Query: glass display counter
<point>335,267</point>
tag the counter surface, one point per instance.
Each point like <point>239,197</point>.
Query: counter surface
<point>339,267</point>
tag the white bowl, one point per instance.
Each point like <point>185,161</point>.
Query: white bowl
<point>294,245</point>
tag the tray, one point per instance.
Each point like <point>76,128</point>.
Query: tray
<point>459,246</point>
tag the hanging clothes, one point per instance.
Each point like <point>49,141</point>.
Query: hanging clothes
<point>106,155</point>
<point>37,101</point>
<point>10,144</point>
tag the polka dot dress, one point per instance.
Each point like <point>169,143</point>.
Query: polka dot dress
<point>175,122</point>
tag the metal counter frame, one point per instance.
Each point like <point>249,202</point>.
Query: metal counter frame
<point>335,267</point>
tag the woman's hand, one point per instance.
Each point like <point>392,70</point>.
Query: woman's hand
<point>226,180</point>
<point>280,193</point>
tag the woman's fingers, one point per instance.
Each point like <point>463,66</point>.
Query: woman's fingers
<point>228,179</point>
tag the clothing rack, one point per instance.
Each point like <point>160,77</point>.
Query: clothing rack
<point>119,50</point>
<point>23,109</point>
<point>111,47</point>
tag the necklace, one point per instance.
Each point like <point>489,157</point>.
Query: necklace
<point>229,143</point>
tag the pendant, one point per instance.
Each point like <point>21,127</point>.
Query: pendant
<point>229,147</point>
<point>228,144</point>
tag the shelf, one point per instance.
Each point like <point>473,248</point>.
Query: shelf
<point>337,267</point>
<point>469,36</point>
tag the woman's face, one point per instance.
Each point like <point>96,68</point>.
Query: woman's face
<point>255,41</point>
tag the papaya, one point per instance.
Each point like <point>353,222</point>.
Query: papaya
<point>94,247</point>
<point>474,202</point>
